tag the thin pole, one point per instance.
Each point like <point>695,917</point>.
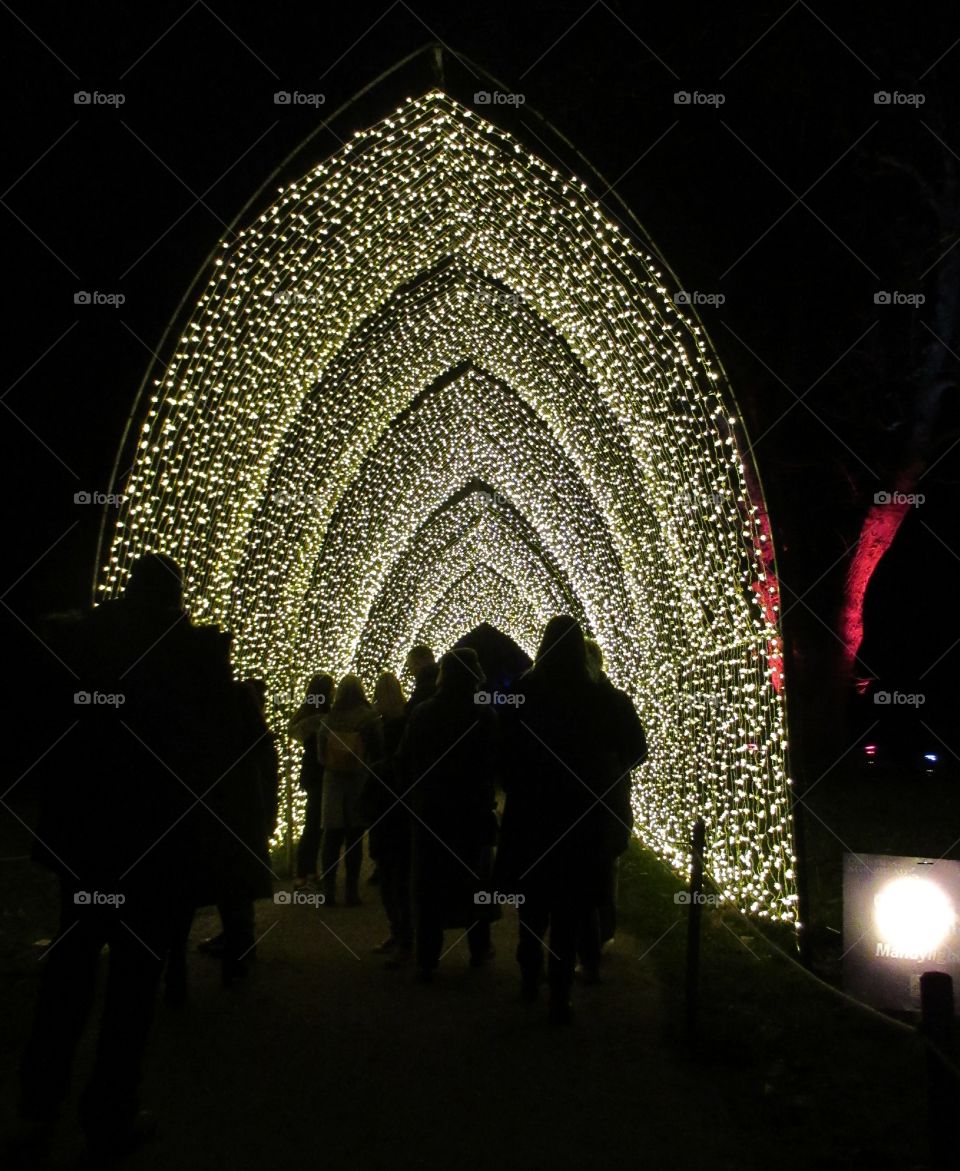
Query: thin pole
<point>936,1025</point>
<point>695,909</point>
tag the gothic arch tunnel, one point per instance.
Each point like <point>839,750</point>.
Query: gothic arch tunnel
<point>434,386</point>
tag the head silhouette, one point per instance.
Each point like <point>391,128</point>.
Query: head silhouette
<point>460,673</point>
<point>155,584</point>
<point>562,655</point>
<point>419,657</point>
<point>320,692</point>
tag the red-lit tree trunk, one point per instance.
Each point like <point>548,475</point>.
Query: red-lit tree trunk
<point>935,342</point>
<point>880,527</point>
<point>936,337</point>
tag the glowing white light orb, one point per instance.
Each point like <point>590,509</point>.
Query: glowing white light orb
<point>913,915</point>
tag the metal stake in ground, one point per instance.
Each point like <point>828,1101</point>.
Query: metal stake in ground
<point>695,908</point>
<point>936,1026</point>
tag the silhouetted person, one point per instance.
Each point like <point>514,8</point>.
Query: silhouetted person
<point>560,763</point>
<point>303,727</point>
<point>421,665</point>
<point>247,807</point>
<point>600,922</point>
<point>348,739</point>
<point>156,729</point>
<point>238,818</point>
<point>449,761</point>
<point>389,819</point>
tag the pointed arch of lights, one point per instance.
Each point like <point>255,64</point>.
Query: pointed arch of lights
<point>475,524</point>
<point>434,385</point>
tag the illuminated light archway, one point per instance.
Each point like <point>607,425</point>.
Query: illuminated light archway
<point>474,524</point>
<point>493,436</point>
<point>482,595</point>
<point>435,306</point>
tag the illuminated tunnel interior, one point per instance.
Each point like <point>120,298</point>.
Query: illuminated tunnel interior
<point>433,386</point>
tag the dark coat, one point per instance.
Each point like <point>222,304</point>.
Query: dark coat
<point>381,803</point>
<point>563,748</point>
<point>631,748</point>
<point>304,727</point>
<point>448,756</point>
<point>424,687</point>
<point>119,812</point>
<point>242,811</point>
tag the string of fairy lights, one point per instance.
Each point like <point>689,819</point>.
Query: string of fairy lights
<point>479,528</point>
<point>433,385</point>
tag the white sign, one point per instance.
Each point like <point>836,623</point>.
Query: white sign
<point>901,918</point>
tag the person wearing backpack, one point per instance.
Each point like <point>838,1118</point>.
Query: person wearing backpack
<point>348,738</point>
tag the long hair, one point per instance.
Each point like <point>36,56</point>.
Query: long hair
<point>388,698</point>
<point>562,656</point>
<point>350,695</point>
<point>320,693</point>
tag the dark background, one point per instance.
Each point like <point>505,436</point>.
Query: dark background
<point>134,199</point>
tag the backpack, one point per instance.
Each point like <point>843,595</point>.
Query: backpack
<point>344,751</point>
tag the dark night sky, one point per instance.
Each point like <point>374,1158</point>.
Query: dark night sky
<point>134,199</point>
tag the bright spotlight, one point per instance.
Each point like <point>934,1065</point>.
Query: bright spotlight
<point>913,915</point>
<point>900,919</point>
